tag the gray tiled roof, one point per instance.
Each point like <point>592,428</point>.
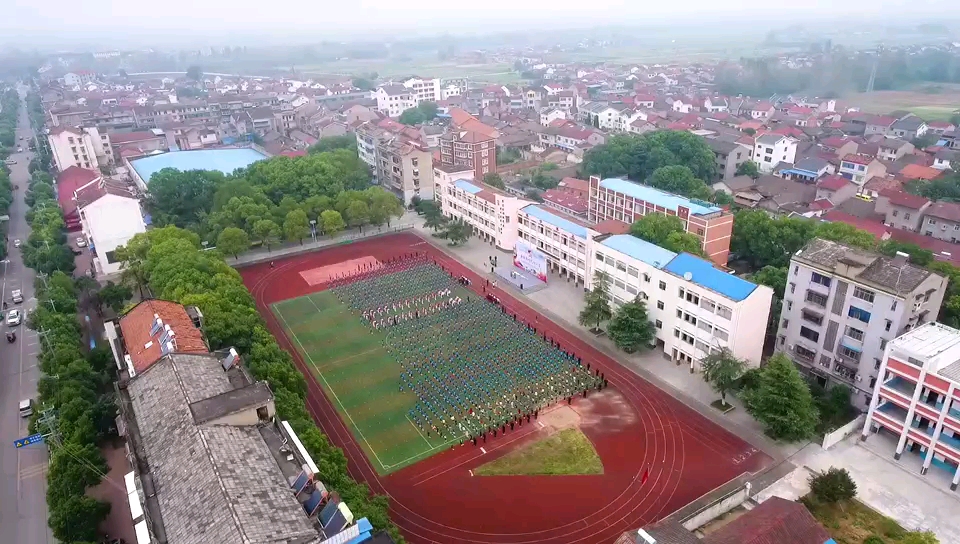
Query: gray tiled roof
<point>214,483</point>
<point>864,266</point>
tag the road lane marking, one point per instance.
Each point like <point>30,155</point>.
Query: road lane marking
<point>33,471</point>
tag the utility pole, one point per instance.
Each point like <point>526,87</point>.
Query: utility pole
<point>47,425</point>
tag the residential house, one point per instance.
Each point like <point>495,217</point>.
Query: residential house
<point>599,115</point>
<point>909,127</point>
<point>714,104</point>
<point>841,307</point>
<point>569,137</point>
<point>392,100</point>
<point>75,146</point>
<point>807,169</point>
<point>728,157</point>
<point>836,189</point>
<point>772,149</point>
<point>469,148</point>
<point>406,168</point>
<point>901,209</point>
<point>68,182</point>
<point>890,149</point>
<point>860,168</point>
<point>942,221</point>
<point>839,146</point>
<point>550,115</point>
<point>762,111</point>
<point>878,124</point>
<point>110,215</point>
<point>947,159</point>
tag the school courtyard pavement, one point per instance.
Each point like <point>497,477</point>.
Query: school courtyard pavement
<point>895,489</point>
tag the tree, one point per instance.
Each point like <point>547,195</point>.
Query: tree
<point>748,168</point>
<point>363,84</point>
<point>296,226</point>
<point>918,255</point>
<point>332,143</point>
<point>76,519</point>
<point>194,73</point>
<point>721,369</point>
<point>638,156</point>
<point>679,179</point>
<point>846,234</point>
<point>493,179</point>
<point>181,198</point>
<point>781,401</point>
<point>114,295</point>
<point>233,241</point>
<point>534,195</point>
<point>357,213</point>
<point>331,222</point>
<point>425,111</point>
<point>666,231</point>
<point>773,277</point>
<point>596,309</point>
<point>631,329</point>
<point>434,218</point>
<point>833,485</point>
<point>266,232</point>
<point>457,232</point>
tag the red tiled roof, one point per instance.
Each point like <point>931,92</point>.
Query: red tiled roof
<point>904,199</point>
<point>144,349</point>
<point>942,250</point>
<point>822,204</point>
<point>566,200</point>
<point>917,171</point>
<point>68,182</point>
<point>117,139</point>
<point>575,185</point>
<point>775,521</point>
<point>878,229</point>
<point>944,210</point>
<point>294,154</point>
<point>833,183</point>
<point>858,159</point>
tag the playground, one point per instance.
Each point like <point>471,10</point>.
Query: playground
<point>360,355</point>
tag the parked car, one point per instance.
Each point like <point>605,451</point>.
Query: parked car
<point>16,296</point>
<point>81,242</point>
<point>17,242</point>
<point>14,318</point>
<point>10,161</point>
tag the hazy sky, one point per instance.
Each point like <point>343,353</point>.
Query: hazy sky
<point>220,19</point>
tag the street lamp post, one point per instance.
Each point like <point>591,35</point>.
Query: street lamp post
<point>313,229</point>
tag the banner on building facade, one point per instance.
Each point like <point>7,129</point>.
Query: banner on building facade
<point>530,259</point>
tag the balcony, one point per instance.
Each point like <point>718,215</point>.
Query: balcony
<point>892,411</point>
<point>945,439</point>
<point>901,387</point>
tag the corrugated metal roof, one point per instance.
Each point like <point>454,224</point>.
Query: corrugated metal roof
<point>467,186</point>
<point>704,274</point>
<point>656,196</point>
<point>641,250</point>
<point>553,219</point>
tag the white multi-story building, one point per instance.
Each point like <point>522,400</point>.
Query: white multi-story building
<point>427,90</point>
<point>563,239</point>
<point>697,309</point>
<point>81,147</point>
<point>392,100</point>
<point>773,149</point>
<point>843,305</point>
<point>110,216</point>
<point>492,213</point>
<point>915,407</point>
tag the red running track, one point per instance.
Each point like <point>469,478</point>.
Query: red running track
<point>634,426</point>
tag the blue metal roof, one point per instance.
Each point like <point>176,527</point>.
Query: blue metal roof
<point>799,172</point>
<point>467,186</point>
<point>704,274</point>
<point>641,250</point>
<point>224,160</point>
<point>656,196</point>
<point>556,220</point>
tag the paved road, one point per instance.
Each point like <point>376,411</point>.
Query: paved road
<point>23,509</point>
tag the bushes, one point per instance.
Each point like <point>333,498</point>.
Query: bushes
<point>833,485</point>
<point>175,268</point>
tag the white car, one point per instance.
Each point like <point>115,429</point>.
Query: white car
<point>14,318</point>
<point>81,242</point>
<point>17,242</point>
<point>16,296</point>
<point>10,161</point>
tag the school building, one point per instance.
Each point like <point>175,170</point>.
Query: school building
<point>626,201</point>
<point>916,406</point>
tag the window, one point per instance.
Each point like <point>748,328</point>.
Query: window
<point>785,324</point>
<point>793,287</point>
<point>721,334</point>
<point>883,343</point>
<point>707,304</point>
<point>849,353</point>
<point>659,304</point>
<point>864,294</point>
<point>817,298</point>
<point>906,216</point>
<point>679,313</point>
<point>599,256</point>
<point>663,286</point>
<point>796,269</point>
<point>659,324</point>
<point>633,272</point>
<point>820,278</point>
<point>621,267</point>
<point>855,333</point>
<point>896,212</point>
<point>859,314</point>
<point>810,334</point>
<point>887,325</point>
<point>631,289</point>
<point>804,353</point>
<point>646,278</point>
<point>894,305</point>
<point>724,312</point>
<point>811,317</point>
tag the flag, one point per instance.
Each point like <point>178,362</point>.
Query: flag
<point>646,474</point>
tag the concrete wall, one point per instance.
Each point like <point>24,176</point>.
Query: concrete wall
<point>833,438</point>
<point>717,508</point>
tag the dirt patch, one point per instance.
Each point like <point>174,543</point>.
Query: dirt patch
<point>606,412</point>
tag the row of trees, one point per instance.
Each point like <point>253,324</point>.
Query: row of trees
<point>272,200</point>
<point>9,109</point>
<point>668,232</point>
<point>456,232</point>
<point>629,326</point>
<point>171,262</point>
<point>6,198</point>
<point>75,386</point>
<point>42,158</point>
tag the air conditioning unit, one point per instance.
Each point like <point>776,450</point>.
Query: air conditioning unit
<point>859,378</point>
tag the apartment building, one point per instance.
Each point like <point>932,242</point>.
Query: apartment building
<point>627,201</point>
<point>392,100</point>
<point>406,168</point>
<point>843,305</point>
<point>81,147</point>
<point>770,150</point>
<point>425,90</point>
<point>561,237</point>
<point>492,213</point>
<point>473,149</point>
<point>696,308</point>
<point>915,407</point>
<point>901,209</point>
<point>728,157</point>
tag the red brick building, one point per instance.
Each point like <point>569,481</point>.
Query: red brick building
<point>626,201</point>
<point>470,149</point>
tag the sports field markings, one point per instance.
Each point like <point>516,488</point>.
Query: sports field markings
<point>419,431</point>
<point>484,451</point>
<point>342,407</point>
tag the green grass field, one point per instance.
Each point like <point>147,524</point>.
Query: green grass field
<point>567,452</point>
<point>360,378</point>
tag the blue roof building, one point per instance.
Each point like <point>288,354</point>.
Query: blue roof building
<point>640,250</point>
<point>704,274</point>
<point>222,160</point>
<point>657,197</point>
<point>556,220</point>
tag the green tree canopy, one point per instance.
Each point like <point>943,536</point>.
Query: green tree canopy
<point>782,402</point>
<point>833,485</point>
<point>596,307</point>
<point>638,156</point>
<point>332,143</point>
<point>666,231</point>
<point>233,241</point>
<point>332,222</point>
<point>721,369</point>
<point>425,111</point>
<point>748,168</point>
<point>630,328</point>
